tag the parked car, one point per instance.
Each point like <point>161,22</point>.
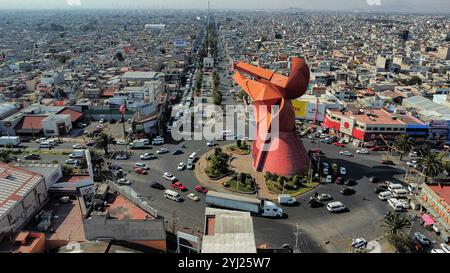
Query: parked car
<point>376,148</point>
<point>201,189</point>
<point>343,170</point>
<point>362,151</point>
<point>326,171</point>
<point>102,120</point>
<point>121,157</point>
<point>324,197</point>
<point>339,144</point>
<point>189,165</point>
<point>350,182</point>
<point>181,166</point>
<point>422,239</point>
<point>339,180</point>
<point>32,157</point>
<point>142,165</point>
<point>147,156</point>
<point>412,163</point>
<point>329,179</point>
<point>140,170</point>
<point>78,146</point>
<point>193,197</point>
<point>347,191</point>
<point>162,151</point>
<point>157,186</point>
<point>445,247</point>
<point>124,181</point>
<point>346,153</point>
<point>359,243</point>
<point>71,161</point>
<point>178,186</point>
<point>387,162</point>
<point>169,176</point>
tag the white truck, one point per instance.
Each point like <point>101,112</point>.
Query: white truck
<point>252,205</point>
<point>79,153</point>
<point>137,144</point>
<point>158,141</point>
<point>9,141</point>
<point>286,199</point>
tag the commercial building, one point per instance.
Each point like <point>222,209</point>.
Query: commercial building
<point>436,200</point>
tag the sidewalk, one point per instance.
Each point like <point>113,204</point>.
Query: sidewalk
<point>240,163</point>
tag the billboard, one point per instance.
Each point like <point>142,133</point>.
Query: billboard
<point>299,108</point>
<point>307,110</point>
<point>347,125</point>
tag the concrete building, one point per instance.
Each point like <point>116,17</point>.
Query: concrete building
<point>436,199</point>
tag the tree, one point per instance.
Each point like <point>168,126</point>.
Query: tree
<point>5,155</point>
<point>403,143</point>
<point>395,224</point>
<point>431,165</point>
<point>97,161</point>
<point>239,143</point>
<point>243,178</point>
<point>102,141</point>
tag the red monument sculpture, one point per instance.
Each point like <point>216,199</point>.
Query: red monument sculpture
<point>283,152</point>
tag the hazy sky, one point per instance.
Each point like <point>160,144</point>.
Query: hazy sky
<point>394,5</point>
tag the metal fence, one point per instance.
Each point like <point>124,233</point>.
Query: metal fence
<point>131,195</point>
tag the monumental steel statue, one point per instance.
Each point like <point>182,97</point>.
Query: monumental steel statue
<point>276,147</point>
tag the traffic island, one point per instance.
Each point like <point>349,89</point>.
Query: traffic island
<point>294,185</point>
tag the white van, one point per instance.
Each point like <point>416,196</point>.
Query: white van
<point>397,206</point>
<point>393,186</point>
<point>400,193</point>
<point>145,140</point>
<point>172,195</point>
<point>45,145</point>
<point>193,156</point>
<point>384,195</point>
<point>335,206</point>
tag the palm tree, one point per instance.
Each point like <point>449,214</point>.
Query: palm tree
<point>394,224</point>
<point>403,143</point>
<point>97,161</point>
<point>102,141</point>
<point>5,155</point>
<point>431,165</point>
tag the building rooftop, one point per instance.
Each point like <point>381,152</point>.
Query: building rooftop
<point>14,184</point>
<point>372,116</point>
<point>442,190</point>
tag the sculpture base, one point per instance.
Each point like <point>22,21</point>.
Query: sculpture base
<point>286,155</point>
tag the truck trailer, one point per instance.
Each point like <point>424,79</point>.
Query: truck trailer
<point>252,205</point>
<point>10,141</point>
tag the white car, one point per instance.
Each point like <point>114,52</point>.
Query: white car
<point>404,203</point>
<point>324,197</point>
<point>437,250</point>
<point>329,179</point>
<point>121,157</point>
<point>71,161</point>
<point>211,143</point>
<point>142,165</point>
<point>121,142</point>
<point>78,146</point>
<point>326,171</point>
<point>147,156</point>
<point>445,248</point>
<point>102,120</point>
<point>189,165</point>
<point>325,165</point>
<point>362,151</point>
<point>162,151</point>
<point>346,153</point>
<point>193,197</point>
<point>124,181</point>
<point>359,243</point>
<point>412,163</point>
<point>181,166</point>
<point>169,176</point>
<point>343,171</point>
<point>42,139</point>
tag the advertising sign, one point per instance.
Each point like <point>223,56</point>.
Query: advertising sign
<point>347,125</point>
<point>299,108</point>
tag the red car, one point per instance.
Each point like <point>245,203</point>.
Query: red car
<point>339,144</point>
<point>201,189</point>
<point>376,148</point>
<point>178,186</point>
<point>339,180</point>
<point>140,171</point>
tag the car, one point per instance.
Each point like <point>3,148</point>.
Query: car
<point>346,153</point>
<point>359,243</point>
<point>71,161</point>
<point>412,163</point>
<point>339,180</point>
<point>122,157</point>
<point>314,203</point>
<point>124,181</point>
<point>324,197</point>
<point>142,165</point>
<point>362,151</point>
<point>162,151</point>
<point>201,189</point>
<point>40,140</point>
<point>169,176</point>
<point>178,186</point>
<point>140,170</point>
<point>211,143</point>
<point>324,141</point>
<point>157,186</point>
<point>404,203</point>
<point>189,165</point>
<point>121,142</point>
<point>387,162</point>
<point>334,166</point>
<point>347,191</point>
<point>193,197</point>
<point>181,166</point>
<point>413,154</point>
<point>177,152</point>
<point>339,144</point>
<point>329,179</point>
<point>343,170</point>
<point>102,120</point>
<point>422,239</point>
<point>32,157</point>
<point>437,250</point>
<point>325,165</point>
<point>375,148</point>
<point>147,156</point>
<point>90,143</point>
<point>350,182</point>
<point>445,247</point>
<point>374,179</point>
<point>377,190</point>
<point>326,171</point>
<point>78,146</point>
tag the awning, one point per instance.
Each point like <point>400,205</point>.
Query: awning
<point>428,220</point>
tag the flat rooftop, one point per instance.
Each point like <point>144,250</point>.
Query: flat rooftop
<point>377,116</point>
<point>121,208</point>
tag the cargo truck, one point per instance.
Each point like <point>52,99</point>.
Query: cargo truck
<point>137,144</point>
<point>9,141</point>
<point>286,199</point>
<point>77,154</point>
<point>235,202</point>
